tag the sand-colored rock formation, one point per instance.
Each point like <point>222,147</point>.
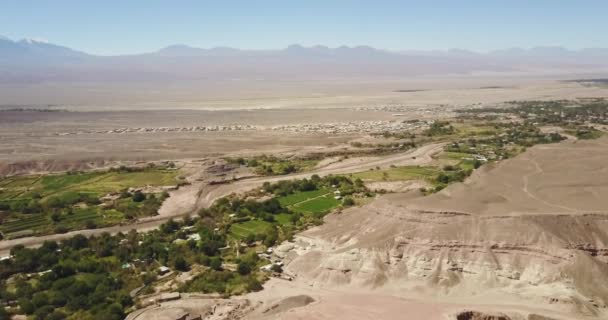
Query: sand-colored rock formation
<point>517,236</point>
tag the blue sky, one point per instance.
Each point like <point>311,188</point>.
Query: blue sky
<point>132,26</point>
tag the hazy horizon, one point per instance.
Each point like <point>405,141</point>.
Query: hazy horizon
<point>118,27</point>
<point>297,44</point>
<point>119,52</point>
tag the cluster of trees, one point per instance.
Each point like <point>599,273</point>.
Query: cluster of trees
<point>585,132</point>
<point>63,207</point>
<point>52,204</point>
<point>451,176</point>
<point>283,188</point>
<point>527,135</point>
<point>562,112</point>
<point>286,187</point>
<point>498,145</point>
<point>140,204</point>
<point>92,277</point>
<point>557,112</point>
<point>60,212</point>
<point>399,135</point>
<point>268,165</point>
<point>439,128</point>
<point>245,279</point>
<point>400,145</point>
<point>72,277</point>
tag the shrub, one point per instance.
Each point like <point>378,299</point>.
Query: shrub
<point>90,224</point>
<point>61,229</point>
<point>348,201</point>
<point>26,306</point>
<point>56,216</point>
<point>138,196</point>
<point>276,268</point>
<point>215,263</point>
<point>56,315</point>
<point>243,268</point>
<point>42,313</point>
<point>181,264</point>
<point>40,299</point>
<point>4,315</point>
<point>477,164</point>
<point>254,284</point>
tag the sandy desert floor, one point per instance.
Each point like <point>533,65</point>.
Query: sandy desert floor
<point>343,92</point>
<point>38,140</point>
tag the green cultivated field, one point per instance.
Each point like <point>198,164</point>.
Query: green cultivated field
<point>311,202</point>
<point>302,196</point>
<point>31,223</point>
<point>253,227</point>
<point>461,157</point>
<point>98,183</point>
<point>317,206</point>
<point>398,174</point>
<point>283,219</point>
<point>42,223</point>
<point>27,202</point>
<point>454,155</point>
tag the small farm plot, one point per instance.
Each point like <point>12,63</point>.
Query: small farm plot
<point>398,174</point>
<point>31,223</point>
<point>319,205</point>
<point>298,197</point>
<point>283,219</point>
<point>311,202</point>
<point>253,227</point>
<point>42,204</point>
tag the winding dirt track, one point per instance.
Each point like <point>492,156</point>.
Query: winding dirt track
<point>202,195</point>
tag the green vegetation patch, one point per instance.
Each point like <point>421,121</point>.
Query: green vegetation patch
<point>116,181</point>
<point>224,282</point>
<point>585,133</point>
<point>466,129</point>
<point>99,183</point>
<point>302,196</point>
<point>284,219</point>
<point>29,223</point>
<point>446,155</point>
<point>253,227</point>
<point>56,183</point>
<point>122,180</point>
<point>92,278</point>
<point>63,202</point>
<point>399,173</point>
<point>318,205</point>
<point>440,128</point>
<point>270,165</point>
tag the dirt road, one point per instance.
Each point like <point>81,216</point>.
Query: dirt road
<point>202,195</point>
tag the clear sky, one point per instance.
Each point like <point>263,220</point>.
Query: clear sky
<point>133,26</point>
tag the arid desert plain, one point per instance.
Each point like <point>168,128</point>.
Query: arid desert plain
<point>484,200</point>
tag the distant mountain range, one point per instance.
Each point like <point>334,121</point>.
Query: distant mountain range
<point>26,49</point>
<point>30,61</point>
